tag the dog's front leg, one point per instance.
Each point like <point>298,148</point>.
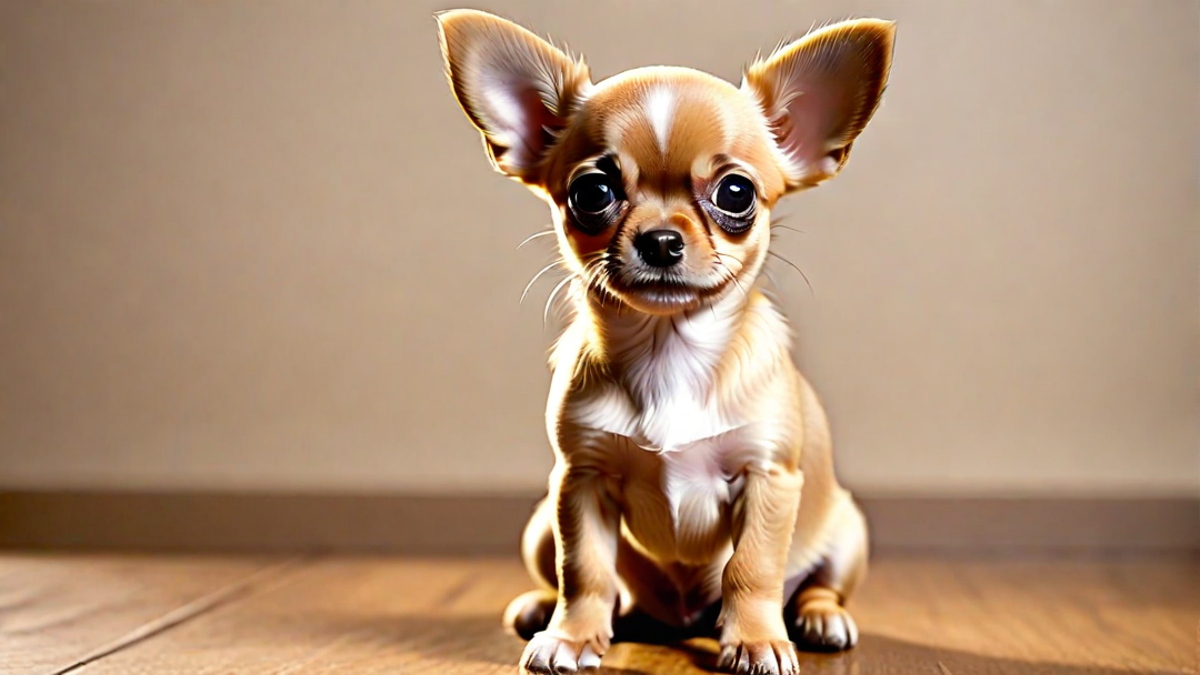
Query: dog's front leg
<point>585,537</point>
<point>754,638</point>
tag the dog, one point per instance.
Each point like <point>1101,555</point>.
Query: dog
<point>693,491</point>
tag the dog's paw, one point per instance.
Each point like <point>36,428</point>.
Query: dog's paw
<point>547,654</point>
<point>823,625</point>
<point>773,657</point>
<point>529,613</point>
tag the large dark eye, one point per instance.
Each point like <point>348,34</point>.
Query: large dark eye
<point>592,199</point>
<point>592,193</point>
<point>734,195</point>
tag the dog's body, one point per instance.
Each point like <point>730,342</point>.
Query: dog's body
<point>721,395</point>
<point>693,461</point>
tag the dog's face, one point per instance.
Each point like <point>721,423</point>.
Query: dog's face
<point>662,179</point>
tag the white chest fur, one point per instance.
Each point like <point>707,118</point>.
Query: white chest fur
<point>665,378</point>
<point>678,450</point>
<point>679,466</point>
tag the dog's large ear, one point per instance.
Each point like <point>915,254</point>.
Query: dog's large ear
<point>516,88</point>
<point>819,92</point>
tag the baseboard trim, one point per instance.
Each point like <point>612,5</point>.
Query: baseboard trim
<point>488,525</point>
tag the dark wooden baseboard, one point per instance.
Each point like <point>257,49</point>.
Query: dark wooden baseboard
<point>247,522</point>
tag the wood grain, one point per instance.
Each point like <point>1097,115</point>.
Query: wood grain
<point>918,615</point>
<point>59,612</point>
<point>347,615</point>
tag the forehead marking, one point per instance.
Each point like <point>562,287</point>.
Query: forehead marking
<point>660,109</point>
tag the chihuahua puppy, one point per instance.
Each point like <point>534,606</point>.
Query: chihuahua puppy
<point>693,491</point>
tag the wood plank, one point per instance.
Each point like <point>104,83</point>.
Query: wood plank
<point>491,524</point>
<point>1021,616</point>
<point>59,611</point>
<point>362,615</point>
<point>917,615</point>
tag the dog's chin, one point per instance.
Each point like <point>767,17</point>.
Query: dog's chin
<point>664,298</point>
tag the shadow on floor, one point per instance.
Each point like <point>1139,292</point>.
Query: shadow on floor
<point>877,654</point>
<point>481,641</point>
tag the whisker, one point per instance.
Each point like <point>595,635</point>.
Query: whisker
<point>593,263</point>
<point>550,300</point>
<point>774,282</point>
<point>594,278</point>
<point>739,260</point>
<point>786,227</point>
<point>777,222</point>
<point>537,276</point>
<point>596,272</point>
<point>593,257</point>
<point>737,283</point>
<point>765,270</point>
<point>535,235</point>
<point>732,276</point>
<point>802,274</point>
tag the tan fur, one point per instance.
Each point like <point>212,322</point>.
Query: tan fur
<point>693,461</point>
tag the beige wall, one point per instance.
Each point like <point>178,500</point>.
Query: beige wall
<point>255,244</point>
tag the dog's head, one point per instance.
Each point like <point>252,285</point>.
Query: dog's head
<point>662,179</point>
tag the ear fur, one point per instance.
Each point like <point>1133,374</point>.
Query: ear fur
<point>515,87</point>
<point>819,92</point>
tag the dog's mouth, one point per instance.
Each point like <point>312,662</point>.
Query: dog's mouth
<point>662,292</point>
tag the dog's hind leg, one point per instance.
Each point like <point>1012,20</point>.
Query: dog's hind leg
<point>816,615</point>
<point>530,612</point>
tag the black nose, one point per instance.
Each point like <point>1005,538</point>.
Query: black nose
<point>660,248</point>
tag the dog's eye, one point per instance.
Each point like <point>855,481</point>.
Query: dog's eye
<point>592,193</point>
<point>593,199</point>
<point>731,204</point>
<point>734,195</point>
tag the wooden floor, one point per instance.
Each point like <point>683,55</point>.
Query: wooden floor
<point>129,615</point>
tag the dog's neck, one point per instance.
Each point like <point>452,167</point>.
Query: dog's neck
<point>660,357</point>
